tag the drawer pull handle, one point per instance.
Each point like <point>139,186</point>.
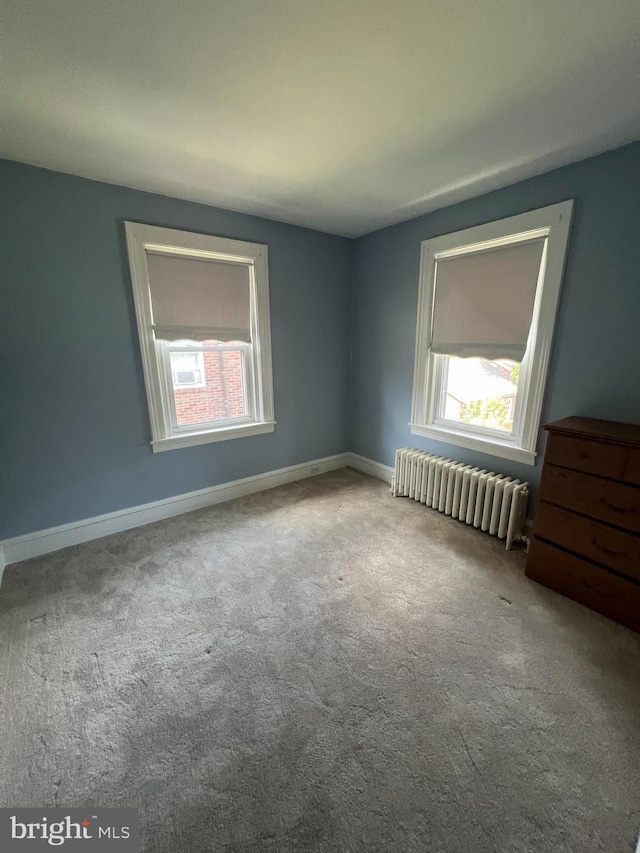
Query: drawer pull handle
<point>605,550</point>
<point>618,508</point>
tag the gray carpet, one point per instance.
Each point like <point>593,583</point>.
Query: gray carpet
<point>321,667</point>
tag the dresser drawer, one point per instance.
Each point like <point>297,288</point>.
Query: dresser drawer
<point>589,538</point>
<point>632,470</point>
<point>612,503</point>
<point>579,579</point>
<point>614,461</point>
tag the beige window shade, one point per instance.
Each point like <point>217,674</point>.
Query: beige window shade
<point>198,299</point>
<point>484,302</point>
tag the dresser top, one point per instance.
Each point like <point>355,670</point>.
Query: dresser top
<point>598,430</point>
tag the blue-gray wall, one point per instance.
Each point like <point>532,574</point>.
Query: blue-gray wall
<point>595,363</point>
<point>74,430</point>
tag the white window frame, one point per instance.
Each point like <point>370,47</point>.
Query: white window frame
<point>142,238</point>
<point>551,224</point>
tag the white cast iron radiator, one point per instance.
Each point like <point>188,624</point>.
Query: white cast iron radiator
<point>487,500</point>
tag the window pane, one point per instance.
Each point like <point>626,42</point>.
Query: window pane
<point>187,368</point>
<point>481,392</point>
<point>220,392</point>
<point>184,360</point>
<point>185,377</point>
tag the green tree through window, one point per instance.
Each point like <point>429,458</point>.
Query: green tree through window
<point>485,412</point>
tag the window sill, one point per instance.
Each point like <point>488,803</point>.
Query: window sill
<point>175,442</point>
<point>491,446</point>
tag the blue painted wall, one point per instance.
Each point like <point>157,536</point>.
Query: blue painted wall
<point>74,431</point>
<point>595,364</point>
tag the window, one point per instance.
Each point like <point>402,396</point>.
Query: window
<point>486,311</point>
<point>202,306</point>
<point>210,384</point>
<point>187,368</point>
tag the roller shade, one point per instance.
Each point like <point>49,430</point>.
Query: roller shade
<point>198,299</point>
<point>483,302</point>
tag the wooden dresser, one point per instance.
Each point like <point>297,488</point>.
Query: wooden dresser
<point>586,531</point>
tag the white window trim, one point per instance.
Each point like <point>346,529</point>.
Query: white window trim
<point>142,237</point>
<point>551,223</point>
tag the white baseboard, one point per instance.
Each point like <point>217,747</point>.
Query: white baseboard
<point>369,466</point>
<point>54,538</point>
<point>45,541</point>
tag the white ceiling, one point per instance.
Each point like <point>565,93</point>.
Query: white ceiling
<point>342,115</point>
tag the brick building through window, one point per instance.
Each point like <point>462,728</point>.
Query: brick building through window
<point>208,383</point>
